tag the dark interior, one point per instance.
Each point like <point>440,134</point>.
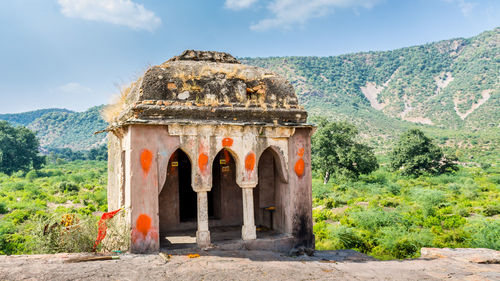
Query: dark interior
<point>187,197</point>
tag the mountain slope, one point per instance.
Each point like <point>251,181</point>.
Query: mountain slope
<point>450,88</point>
<point>452,83</point>
<point>26,118</point>
<point>59,128</point>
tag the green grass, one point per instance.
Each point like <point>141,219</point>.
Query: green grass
<point>383,214</point>
<point>390,216</point>
<point>29,202</point>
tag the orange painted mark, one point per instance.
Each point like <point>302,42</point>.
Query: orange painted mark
<point>203,162</point>
<point>250,161</point>
<point>227,142</point>
<point>143,224</point>
<point>146,160</point>
<point>299,167</point>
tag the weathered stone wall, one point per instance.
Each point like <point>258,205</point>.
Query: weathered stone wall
<point>115,171</point>
<point>148,151</point>
<point>139,162</point>
<point>300,186</point>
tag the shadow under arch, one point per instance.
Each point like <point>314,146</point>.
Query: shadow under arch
<point>176,150</point>
<point>177,200</point>
<point>225,203</point>
<point>280,162</point>
<point>270,194</point>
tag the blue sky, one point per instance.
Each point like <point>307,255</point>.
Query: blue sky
<point>76,53</point>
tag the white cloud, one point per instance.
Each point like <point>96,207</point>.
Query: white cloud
<point>120,12</point>
<point>287,13</point>
<point>466,7</point>
<point>238,4</point>
<point>74,88</point>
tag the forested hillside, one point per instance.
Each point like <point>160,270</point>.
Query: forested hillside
<point>451,84</point>
<point>61,128</point>
<point>26,118</point>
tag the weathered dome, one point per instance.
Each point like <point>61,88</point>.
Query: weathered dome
<point>202,85</point>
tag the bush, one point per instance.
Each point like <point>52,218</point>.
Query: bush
<point>68,187</point>
<point>68,233</point>
<point>31,175</point>
<point>398,242</point>
<point>3,208</point>
<point>492,210</point>
<point>484,234</point>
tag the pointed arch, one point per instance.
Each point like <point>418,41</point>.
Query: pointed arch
<point>174,151</point>
<point>280,160</point>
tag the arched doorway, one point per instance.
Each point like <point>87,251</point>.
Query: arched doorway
<point>178,202</point>
<point>225,204</point>
<point>268,195</point>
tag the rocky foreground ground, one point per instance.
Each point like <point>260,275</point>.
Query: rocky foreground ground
<point>434,264</point>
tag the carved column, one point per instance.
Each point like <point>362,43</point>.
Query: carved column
<point>202,234</point>
<point>248,231</point>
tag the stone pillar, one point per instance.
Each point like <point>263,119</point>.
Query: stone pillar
<point>248,231</point>
<point>202,234</point>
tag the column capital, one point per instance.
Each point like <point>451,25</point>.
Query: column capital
<point>201,188</point>
<point>247,184</point>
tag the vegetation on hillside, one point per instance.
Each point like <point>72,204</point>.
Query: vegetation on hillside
<point>26,118</point>
<point>60,128</point>
<point>433,83</point>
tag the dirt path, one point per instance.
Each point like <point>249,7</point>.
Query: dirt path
<point>436,264</point>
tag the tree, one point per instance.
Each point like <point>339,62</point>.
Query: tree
<point>416,154</point>
<point>18,149</point>
<point>335,151</point>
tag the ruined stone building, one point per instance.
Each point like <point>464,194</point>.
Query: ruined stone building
<point>203,143</point>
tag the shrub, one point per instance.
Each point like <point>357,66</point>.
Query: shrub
<point>3,208</point>
<point>492,210</point>
<point>69,233</point>
<point>429,200</point>
<point>68,186</point>
<point>400,243</point>
<point>394,188</point>
<point>31,175</point>
<point>484,234</point>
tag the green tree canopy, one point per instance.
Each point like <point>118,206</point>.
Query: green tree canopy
<point>18,149</point>
<point>335,151</point>
<point>416,154</point>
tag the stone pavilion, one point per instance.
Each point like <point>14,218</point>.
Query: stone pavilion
<point>202,144</point>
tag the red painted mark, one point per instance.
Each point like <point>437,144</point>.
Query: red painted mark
<point>146,159</point>
<point>227,157</point>
<point>143,224</point>
<point>203,162</point>
<point>299,165</point>
<point>250,161</point>
<point>227,142</point>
